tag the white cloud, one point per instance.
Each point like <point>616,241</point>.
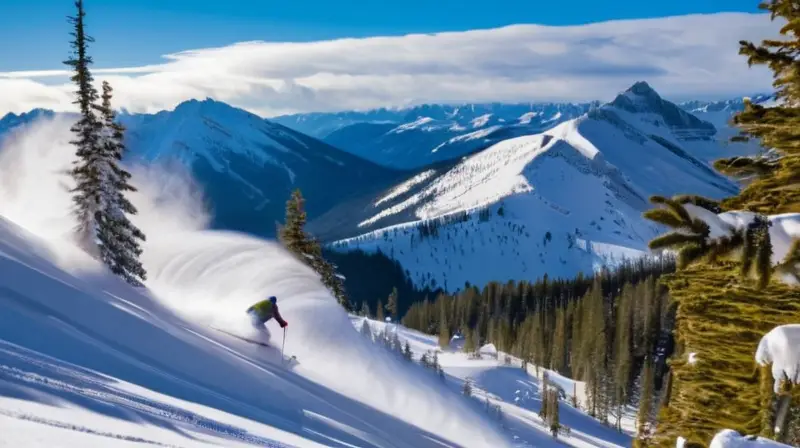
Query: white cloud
<point>682,57</point>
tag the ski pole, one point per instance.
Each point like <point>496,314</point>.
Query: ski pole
<point>284,341</point>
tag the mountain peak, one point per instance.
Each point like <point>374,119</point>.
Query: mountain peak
<point>643,100</point>
<point>642,88</point>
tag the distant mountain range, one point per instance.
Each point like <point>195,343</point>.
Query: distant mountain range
<point>415,137</point>
<point>566,200</point>
<point>422,135</point>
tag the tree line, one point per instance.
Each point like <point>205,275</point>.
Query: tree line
<point>612,330</point>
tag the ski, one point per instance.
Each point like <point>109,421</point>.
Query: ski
<point>252,341</point>
<point>287,360</point>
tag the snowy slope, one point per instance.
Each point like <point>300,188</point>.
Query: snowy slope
<point>517,392</point>
<point>88,361</point>
<point>567,200</point>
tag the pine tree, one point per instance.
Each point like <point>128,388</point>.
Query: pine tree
<point>117,236</point>
<point>646,400</point>
<point>444,334</point>
<point>87,132</point>
<point>365,309</point>
<point>424,360</point>
<point>391,304</point>
<point>407,351</point>
<point>718,314</point>
<point>308,250</point>
<point>366,330</point>
<point>552,410</point>
<point>467,388</point>
<point>101,207</point>
<point>544,411</point>
<point>292,234</point>
<point>623,353</point>
<point>379,313</point>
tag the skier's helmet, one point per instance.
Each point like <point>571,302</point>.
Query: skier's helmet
<point>273,299</point>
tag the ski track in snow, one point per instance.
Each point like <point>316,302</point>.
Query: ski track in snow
<point>73,427</point>
<point>42,372</point>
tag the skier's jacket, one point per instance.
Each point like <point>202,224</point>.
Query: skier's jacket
<point>266,310</point>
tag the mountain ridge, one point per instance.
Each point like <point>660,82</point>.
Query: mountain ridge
<point>563,201</point>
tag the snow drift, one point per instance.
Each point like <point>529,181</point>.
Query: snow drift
<point>208,278</point>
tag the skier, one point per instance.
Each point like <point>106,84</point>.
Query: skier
<point>263,311</point>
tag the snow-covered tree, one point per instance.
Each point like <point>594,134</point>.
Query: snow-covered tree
<point>366,330</point>
<point>101,207</point>
<point>467,388</point>
<point>407,351</point>
<point>87,134</point>
<point>118,237</point>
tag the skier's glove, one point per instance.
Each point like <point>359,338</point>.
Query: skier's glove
<point>285,324</point>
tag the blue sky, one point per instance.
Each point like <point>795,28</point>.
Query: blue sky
<point>136,32</point>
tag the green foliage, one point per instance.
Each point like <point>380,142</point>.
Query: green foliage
<point>308,250</point>
<point>587,328</point>
<point>774,183</point>
<point>444,334</point>
<point>379,311</point>
<point>722,318</point>
<point>391,304</point>
<point>372,276</point>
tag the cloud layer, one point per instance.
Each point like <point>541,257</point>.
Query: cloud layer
<point>682,57</point>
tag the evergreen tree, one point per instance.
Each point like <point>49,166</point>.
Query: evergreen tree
<point>407,352</point>
<point>379,312</point>
<point>365,309</point>
<point>467,388</point>
<point>623,353</point>
<point>366,330</point>
<point>292,234</point>
<point>553,420</point>
<point>308,250</point>
<point>117,236</point>
<point>391,304</point>
<point>87,130</point>
<point>444,334</point>
<point>424,360</point>
<point>644,416</point>
<point>718,314</point>
<point>101,207</point>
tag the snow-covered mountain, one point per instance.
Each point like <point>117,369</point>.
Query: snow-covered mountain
<point>566,200</point>
<point>418,136</point>
<point>720,113</point>
<point>246,166</point>
<point>11,120</point>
